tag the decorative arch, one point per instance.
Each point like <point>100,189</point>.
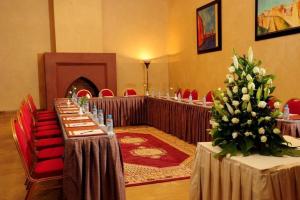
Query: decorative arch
<point>83,83</point>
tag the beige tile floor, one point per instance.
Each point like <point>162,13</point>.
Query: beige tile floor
<point>12,176</point>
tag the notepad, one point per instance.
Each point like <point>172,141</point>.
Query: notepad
<point>76,118</point>
<point>86,132</point>
<point>80,124</point>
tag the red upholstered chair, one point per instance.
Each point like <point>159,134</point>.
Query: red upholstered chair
<point>194,94</point>
<point>130,92</point>
<point>36,172</point>
<point>209,96</point>
<point>38,143</point>
<point>106,93</point>
<point>186,94</point>
<point>294,105</point>
<point>35,111</point>
<point>84,93</point>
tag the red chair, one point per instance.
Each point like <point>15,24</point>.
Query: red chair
<point>294,106</point>
<point>36,172</point>
<point>186,94</point>
<point>130,92</point>
<point>35,111</point>
<point>209,96</point>
<point>106,93</point>
<point>84,93</point>
<point>194,94</point>
<point>38,142</point>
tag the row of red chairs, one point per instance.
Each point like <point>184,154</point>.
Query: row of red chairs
<point>105,93</point>
<point>38,138</point>
<point>194,93</point>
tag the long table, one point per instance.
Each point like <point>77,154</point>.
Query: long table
<point>186,121</point>
<point>252,177</point>
<point>93,167</point>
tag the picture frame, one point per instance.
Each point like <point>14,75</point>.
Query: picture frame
<point>276,18</point>
<point>209,27</point>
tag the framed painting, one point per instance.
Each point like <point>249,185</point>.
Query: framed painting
<point>274,18</point>
<point>209,33</point>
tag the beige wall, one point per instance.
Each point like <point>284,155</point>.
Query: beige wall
<point>204,72</point>
<point>78,25</point>
<point>24,33</point>
<point>137,30</point>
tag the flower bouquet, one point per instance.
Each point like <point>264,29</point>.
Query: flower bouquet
<point>242,121</point>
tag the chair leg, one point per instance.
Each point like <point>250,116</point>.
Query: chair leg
<point>30,191</point>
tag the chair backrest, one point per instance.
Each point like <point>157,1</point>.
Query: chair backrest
<point>26,116</point>
<point>22,146</point>
<point>209,96</point>
<point>294,105</point>
<point>84,93</point>
<point>186,94</point>
<point>25,127</point>
<point>130,92</point>
<point>31,103</point>
<point>194,94</point>
<point>106,93</point>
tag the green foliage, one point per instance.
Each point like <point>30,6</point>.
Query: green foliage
<point>242,121</point>
<point>82,101</point>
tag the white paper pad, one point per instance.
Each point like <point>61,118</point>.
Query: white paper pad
<point>87,132</point>
<point>80,124</point>
<point>69,108</point>
<point>70,112</point>
<point>76,118</point>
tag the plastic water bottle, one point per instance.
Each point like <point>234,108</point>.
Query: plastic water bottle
<point>204,101</point>
<point>286,112</point>
<point>87,107</point>
<point>168,95</point>
<point>94,111</point>
<point>109,124</point>
<point>175,96</point>
<point>179,97</point>
<point>126,94</point>
<point>100,117</point>
<point>190,98</point>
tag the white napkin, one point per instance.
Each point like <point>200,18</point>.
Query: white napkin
<point>80,124</point>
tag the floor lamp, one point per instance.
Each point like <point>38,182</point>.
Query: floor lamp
<point>147,64</point>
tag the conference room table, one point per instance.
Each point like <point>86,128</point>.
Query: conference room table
<point>187,121</point>
<point>244,178</point>
<point>290,126</point>
<point>93,166</point>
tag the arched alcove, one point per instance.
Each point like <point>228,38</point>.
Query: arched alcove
<point>83,83</point>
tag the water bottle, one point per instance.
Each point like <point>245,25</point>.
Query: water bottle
<point>190,98</point>
<point>87,107</point>
<point>109,124</point>
<point>100,117</point>
<point>94,111</point>
<point>204,101</point>
<point>168,95</point>
<point>179,97</point>
<point>126,94</point>
<point>286,112</point>
<point>175,96</point>
<point>152,93</point>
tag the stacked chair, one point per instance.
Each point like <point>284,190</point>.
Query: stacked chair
<point>39,141</point>
<point>194,94</point>
<point>209,96</point>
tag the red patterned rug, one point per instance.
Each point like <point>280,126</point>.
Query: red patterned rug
<point>148,159</point>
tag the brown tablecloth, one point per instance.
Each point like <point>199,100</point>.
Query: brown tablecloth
<point>93,166</point>
<point>186,121</point>
<point>289,128</point>
<point>126,111</point>
<point>252,177</point>
<point>93,169</point>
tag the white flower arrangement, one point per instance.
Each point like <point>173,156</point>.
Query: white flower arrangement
<point>242,120</point>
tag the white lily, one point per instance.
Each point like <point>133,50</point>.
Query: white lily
<point>250,55</point>
<point>235,62</point>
